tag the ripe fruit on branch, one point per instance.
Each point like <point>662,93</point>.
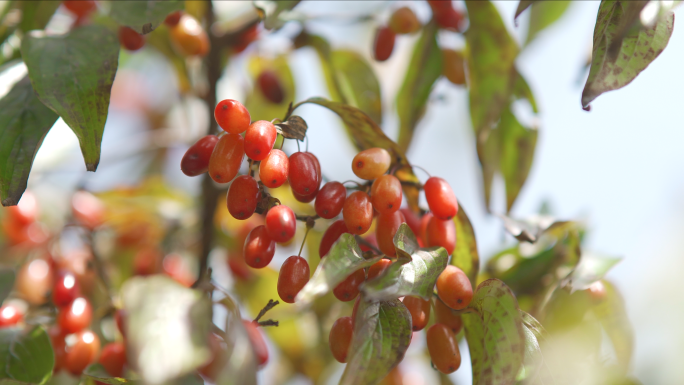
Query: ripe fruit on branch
<point>237,265</point>
<point>259,248</point>
<point>76,316</point>
<point>358,212</point>
<point>196,160</point>
<point>189,38</point>
<point>246,38</point>
<point>173,18</point>
<point>441,233</point>
<point>454,66</point>
<point>274,169</point>
<point>303,175</point>
<point>444,315</point>
<point>293,275</point>
<point>258,343</point>
<point>386,194</point>
<point>454,288</point>
<point>259,139</point>
<point>269,84</point>
<point>443,348</point>
<point>403,21</point>
<point>58,347</point>
<point>331,235</point>
<point>87,209</point>
<point>370,164</point>
<point>66,289</point>
<point>82,353</point>
<point>386,227</point>
<point>449,19</point>
<point>348,289</point>
<point>80,8</point>
<point>227,157</point>
<point>34,281</point>
<point>439,5</point>
<point>113,358</point>
<point>420,311</point>
<point>243,197</point>
<point>232,116</point>
<point>281,223</point>
<point>130,39</point>
<point>440,197</point>
<point>340,338</point>
<point>10,316</point>
<point>383,44</point>
<point>377,268</point>
<point>330,200</point>
<point>413,221</point>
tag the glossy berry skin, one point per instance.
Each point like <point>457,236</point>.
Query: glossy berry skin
<point>340,338</point>
<point>331,235</point>
<point>454,66</point>
<point>189,37</point>
<point>330,200</point>
<point>66,289</point>
<point>444,315</point>
<point>76,316</point>
<point>386,227</point>
<point>305,198</point>
<point>377,268</point>
<point>130,39</point>
<point>274,169</point>
<point>412,220</point>
<point>232,116</point>
<point>454,288</point>
<point>82,353</point>
<point>384,43</point>
<point>370,164</point>
<point>358,212</point>
<point>443,348</point>
<point>227,157</point>
<point>80,8</point>
<point>245,39</point>
<point>403,21</point>
<point>196,160</point>
<point>441,198</point>
<point>259,248</point>
<point>441,233</point>
<point>243,197</point>
<point>348,289</point>
<point>113,358</point>
<point>449,19</point>
<point>303,176</point>
<point>238,267</point>
<point>281,223</point>
<point>9,316</point>
<point>269,85</point>
<point>317,165</point>
<point>173,18</point>
<point>420,311</point>
<point>258,343</point>
<point>259,139</point>
<point>294,274</point>
<point>386,194</point>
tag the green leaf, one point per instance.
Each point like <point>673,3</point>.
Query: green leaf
<point>612,314</point>
<point>517,145</point>
<point>495,335</point>
<point>24,122</point>
<point>6,282</point>
<point>73,75</point>
<point>414,272</point>
<point>465,255</point>
<point>166,327</point>
<point>591,268</point>
<point>534,334</point>
<point>143,15</point>
<point>344,258</point>
<point>270,11</point>
<point>380,339</point>
<point>36,14</point>
<point>620,51</point>
<point>260,108</point>
<point>423,71</point>
<point>97,372</point>
<point>543,14</point>
<point>240,361</point>
<point>26,355</point>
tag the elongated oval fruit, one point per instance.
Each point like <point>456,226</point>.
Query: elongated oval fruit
<point>172,19</point>
<point>303,177</point>
<point>227,157</point>
<point>82,353</point>
<point>403,21</point>
<point>340,338</point>
<point>386,194</point>
<point>80,8</point>
<point>269,84</point>
<point>330,200</point>
<point>443,348</point>
<point>259,248</point>
<point>454,288</point>
<point>259,139</point>
<point>441,233</point>
<point>66,289</point>
<point>281,223</point>
<point>188,37</point>
<point>76,316</point>
<point>348,289</point>
<point>449,18</point>
<point>113,358</point>
<point>243,197</point>
<point>377,268</point>
<point>419,310</point>
<point>293,275</point>
<point>383,44</point>
<point>258,343</point>
<point>358,212</point>
<point>370,164</point>
<point>130,39</point>
<point>331,235</point>
<point>386,227</point>
<point>441,198</point>
<point>413,221</point>
<point>445,315</point>
<point>232,116</point>
<point>9,316</point>
<point>454,66</point>
<point>196,160</point>
<point>274,169</point>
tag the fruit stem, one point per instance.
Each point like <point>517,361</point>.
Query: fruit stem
<point>364,242</point>
<point>268,322</point>
<point>304,240</point>
<point>270,305</point>
<point>306,218</point>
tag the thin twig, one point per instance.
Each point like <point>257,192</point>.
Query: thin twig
<point>270,305</point>
<point>306,218</point>
<point>268,322</point>
<point>304,240</point>
<point>364,242</point>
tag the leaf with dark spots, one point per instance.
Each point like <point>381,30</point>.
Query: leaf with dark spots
<point>73,75</point>
<point>465,255</point>
<point>535,334</point>
<point>143,16</point>
<point>26,355</point>
<point>293,128</point>
<point>24,122</point>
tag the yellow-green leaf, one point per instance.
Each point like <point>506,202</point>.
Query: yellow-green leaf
<point>260,108</point>
<point>465,255</point>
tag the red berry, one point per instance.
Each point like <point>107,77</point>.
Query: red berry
<point>196,160</point>
<point>188,37</point>
<point>413,221</point>
<point>130,39</point>
<point>340,338</point>
<point>176,267</point>
<point>119,318</point>
<point>259,139</point>
<point>269,84</point>
<point>66,289</point>
<point>273,170</point>
<point>82,353</point>
<point>243,197</point>
<point>445,315</point>
<point>384,43</point>
<point>232,116</point>
<point>238,266</point>
<point>386,227</point>
<point>440,197</point>
<point>317,164</point>
<point>173,18</point>
<point>147,261</point>
<point>420,311</point>
<point>330,200</point>
<point>370,239</point>
<point>449,19</point>
<point>370,164</point>
<point>348,289</point>
<point>76,316</point>
<point>377,268</point>
<point>87,209</point>
<point>439,5</point>
<point>281,223</point>
<point>303,175</point>
<point>34,281</point>
<point>246,38</point>
<point>113,358</point>
<point>294,274</point>
<point>403,21</point>
<point>454,288</point>
<point>305,198</point>
<point>386,194</point>
<point>9,316</point>
<point>58,347</point>
<point>259,248</point>
<point>358,212</point>
<point>258,343</point>
<point>80,8</point>
<point>443,348</point>
<point>227,157</point>
<point>423,226</point>
<point>441,233</point>
<point>331,235</point>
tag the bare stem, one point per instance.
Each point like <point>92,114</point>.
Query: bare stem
<point>364,242</point>
<point>268,322</point>
<point>270,305</point>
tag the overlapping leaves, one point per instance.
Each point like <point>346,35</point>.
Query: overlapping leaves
<point>25,355</point>
<point>144,16</point>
